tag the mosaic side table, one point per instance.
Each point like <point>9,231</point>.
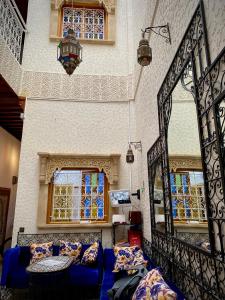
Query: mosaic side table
<point>48,277</point>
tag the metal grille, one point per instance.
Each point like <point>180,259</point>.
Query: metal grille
<point>11,28</point>
<point>188,200</point>
<point>198,273</point>
<point>78,195</point>
<point>87,23</point>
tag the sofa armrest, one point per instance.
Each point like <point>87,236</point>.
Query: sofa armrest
<point>10,260</point>
<point>100,262</point>
<point>109,259</point>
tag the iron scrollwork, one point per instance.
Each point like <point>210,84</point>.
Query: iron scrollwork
<point>198,273</point>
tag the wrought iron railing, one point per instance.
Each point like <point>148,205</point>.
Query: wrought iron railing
<point>12,27</point>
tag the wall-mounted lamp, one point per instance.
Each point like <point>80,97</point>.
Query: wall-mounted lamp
<point>144,51</point>
<point>130,154</point>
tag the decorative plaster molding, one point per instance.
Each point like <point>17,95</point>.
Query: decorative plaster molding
<point>185,162</point>
<point>108,4</point>
<point>55,85</point>
<point>51,162</point>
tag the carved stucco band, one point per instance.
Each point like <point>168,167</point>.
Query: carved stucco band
<point>51,162</point>
<point>108,4</point>
<point>185,162</point>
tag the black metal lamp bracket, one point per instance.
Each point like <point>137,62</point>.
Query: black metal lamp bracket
<point>163,31</point>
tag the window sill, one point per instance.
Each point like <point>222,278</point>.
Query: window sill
<point>54,38</point>
<point>190,225</point>
<point>77,225</point>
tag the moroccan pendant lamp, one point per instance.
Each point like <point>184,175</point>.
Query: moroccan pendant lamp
<point>69,52</point>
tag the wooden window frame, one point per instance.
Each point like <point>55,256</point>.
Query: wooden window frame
<point>90,6</point>
<point>106,201</point>
<point>50,162</point>
<point>109,21</point>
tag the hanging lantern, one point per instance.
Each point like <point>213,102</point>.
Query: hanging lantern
<point>144,53</point>
<point>130,155</point>
<point>69,52</point>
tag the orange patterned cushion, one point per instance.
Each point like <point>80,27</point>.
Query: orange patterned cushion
<point>70,249</point>
<point>40,251</point>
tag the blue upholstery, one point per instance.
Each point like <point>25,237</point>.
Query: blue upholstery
<point>109,278</point>
<point>16,260</point>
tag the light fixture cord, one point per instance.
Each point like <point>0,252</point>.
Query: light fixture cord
<point>73,17</point>
<point>129,140</point>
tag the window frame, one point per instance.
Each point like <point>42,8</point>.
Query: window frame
<point>185,220</point>
<point>86,221</point>
<point>88,6</point>
<point>56,16</point>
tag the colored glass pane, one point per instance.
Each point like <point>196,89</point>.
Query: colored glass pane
<point>101,178</point>
<point>87,213</point>
<point>88,183</point>
<point>178,180</point>
<point>94,211</point>
<point>87,202</point>
<point>100,213</point>
<point>94,179</point>
<point>99,202</point>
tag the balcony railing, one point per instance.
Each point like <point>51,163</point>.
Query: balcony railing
<point>12,27</point>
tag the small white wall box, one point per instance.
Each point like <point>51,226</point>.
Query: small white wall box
<point>118,219</point>
<point>119,198</point>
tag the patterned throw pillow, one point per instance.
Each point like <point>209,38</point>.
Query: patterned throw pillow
<point>128,257</point>
<point>153,287</point>
<point>70,249</point>
<point>39,251</point>
<point>90,255</point>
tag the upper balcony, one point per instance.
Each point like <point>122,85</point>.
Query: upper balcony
<point>12,34</point>
<point>12,25</point>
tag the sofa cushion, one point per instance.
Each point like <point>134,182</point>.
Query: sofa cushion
<point>39,251</point>
<point>83,275</point>
<point>153,286</point>
<point>90,255</point>
<point>128,257</point>
<point>70,249</point>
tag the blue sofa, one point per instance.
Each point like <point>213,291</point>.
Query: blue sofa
<point>109,277</point>
<point>16,260</point>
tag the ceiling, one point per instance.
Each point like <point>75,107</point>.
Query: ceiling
<point>10,109</point>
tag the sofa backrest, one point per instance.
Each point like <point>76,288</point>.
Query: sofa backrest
<point>26,239</point>
<point>25,255</point>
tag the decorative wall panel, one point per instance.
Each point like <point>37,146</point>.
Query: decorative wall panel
<point>78,87</point>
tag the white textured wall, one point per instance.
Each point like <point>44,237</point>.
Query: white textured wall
<point>67,127</point>
<point>73,126</point>
<point>178,14</point>
<point>40,52</point>
<point>9,163</point>
<point>183,134</point>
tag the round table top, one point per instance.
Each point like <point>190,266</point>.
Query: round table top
<point>50,264</point>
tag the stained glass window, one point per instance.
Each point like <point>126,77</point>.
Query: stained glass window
<point>188,201</point>
<point>87,23</point>
<point>78,195</point>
